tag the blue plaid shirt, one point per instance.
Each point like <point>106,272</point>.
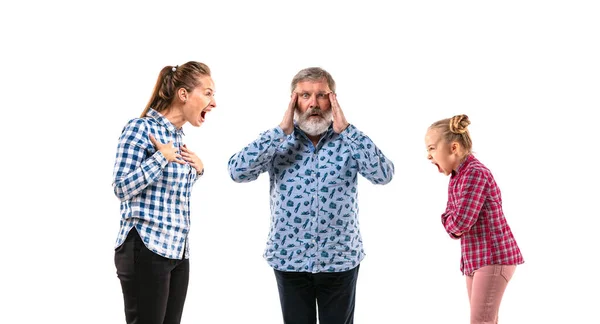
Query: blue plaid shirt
<point>314,206</point>
<point>154,194</point>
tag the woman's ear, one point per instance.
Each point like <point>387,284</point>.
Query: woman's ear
<point>182,94</point>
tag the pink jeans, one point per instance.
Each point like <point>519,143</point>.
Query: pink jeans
<point>485,287</point>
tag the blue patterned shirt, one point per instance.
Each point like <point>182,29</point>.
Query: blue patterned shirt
<point>154,194</point>
<point>314,206</point>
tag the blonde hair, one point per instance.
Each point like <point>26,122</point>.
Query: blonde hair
<point>455,130</point>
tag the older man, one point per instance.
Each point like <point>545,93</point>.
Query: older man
<point>314,244</point>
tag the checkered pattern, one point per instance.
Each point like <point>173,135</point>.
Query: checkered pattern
<point>475,209</point>
<point>154,194</point>
<point>313,194</point>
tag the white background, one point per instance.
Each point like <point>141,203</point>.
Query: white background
<point>525,72</point>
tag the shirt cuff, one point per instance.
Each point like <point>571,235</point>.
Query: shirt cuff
<point>160,159</point>
<point>351,132</point>
<point>277,135</point>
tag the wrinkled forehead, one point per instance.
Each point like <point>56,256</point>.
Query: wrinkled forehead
<point>312,86</point>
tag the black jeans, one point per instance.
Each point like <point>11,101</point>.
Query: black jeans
<point>154,288</point>
<point>334,292</point>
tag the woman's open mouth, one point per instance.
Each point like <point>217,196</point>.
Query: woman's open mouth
<point>203,113</point>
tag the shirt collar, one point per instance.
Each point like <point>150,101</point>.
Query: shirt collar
<point>463,164</point>
<point>163,121</point>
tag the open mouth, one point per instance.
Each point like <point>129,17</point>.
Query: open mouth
<point>203,113</point>
<point>438,166</point>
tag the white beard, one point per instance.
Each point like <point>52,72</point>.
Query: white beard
<point>314,126</point>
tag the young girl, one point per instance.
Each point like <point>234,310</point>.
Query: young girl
<point>153,177</point>
<point>489,252</point>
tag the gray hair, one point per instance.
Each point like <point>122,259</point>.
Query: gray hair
<point>313,74</point>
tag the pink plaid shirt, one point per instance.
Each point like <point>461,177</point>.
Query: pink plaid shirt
<point>475,209</point>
